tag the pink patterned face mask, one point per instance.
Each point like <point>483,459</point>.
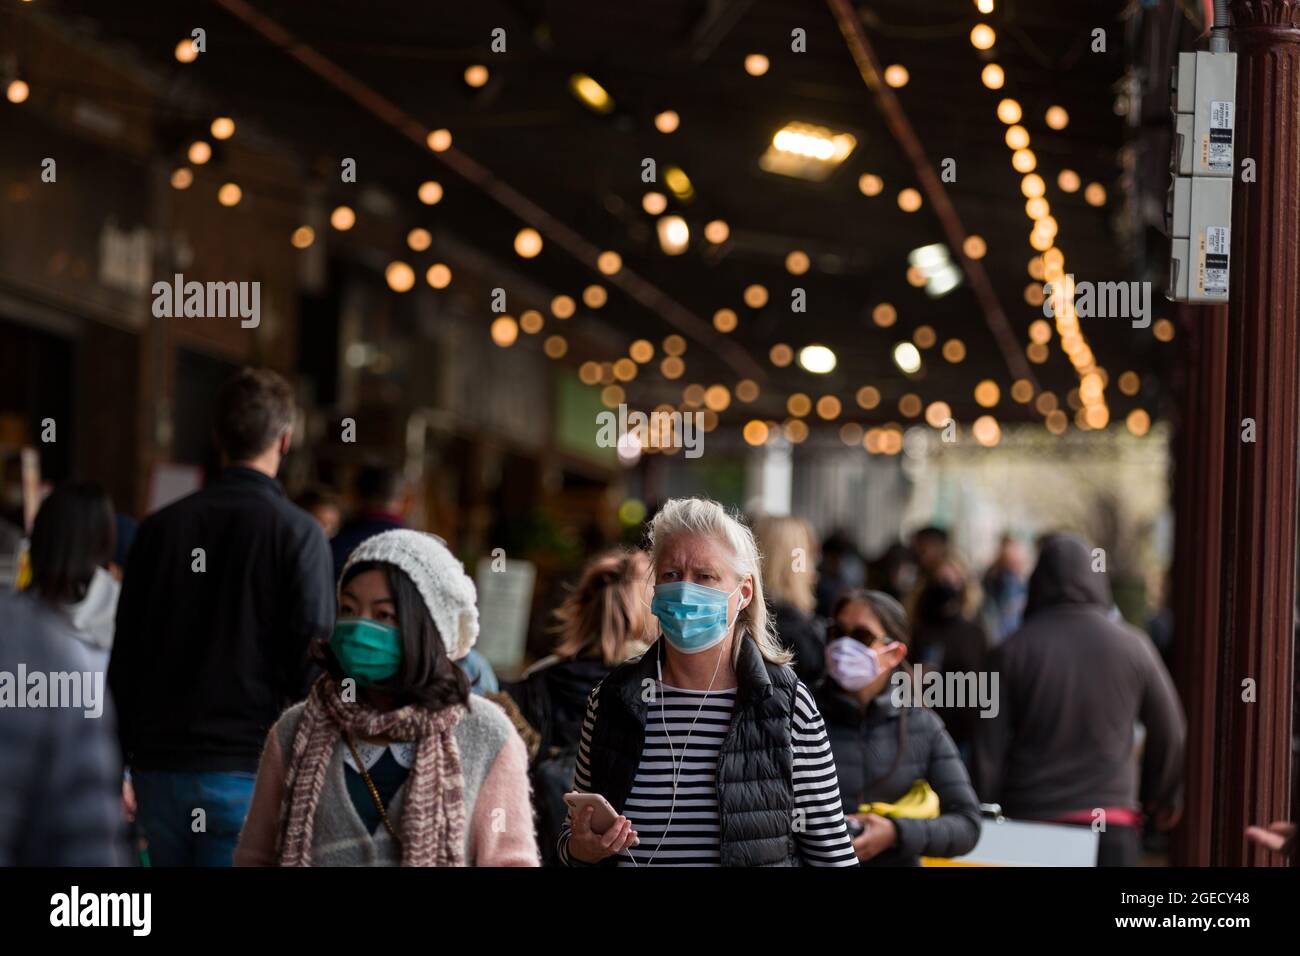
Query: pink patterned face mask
<point>851,664</point>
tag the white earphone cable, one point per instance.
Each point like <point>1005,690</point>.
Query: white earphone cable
<point>673,761</point>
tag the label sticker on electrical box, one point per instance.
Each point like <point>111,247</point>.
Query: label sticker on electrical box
<point>1215,278</point>
<point>1220,153</point>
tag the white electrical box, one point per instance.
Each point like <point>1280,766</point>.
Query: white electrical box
<point>1198,209</point>
<point>1204,92</point>
<point>1199,217</point>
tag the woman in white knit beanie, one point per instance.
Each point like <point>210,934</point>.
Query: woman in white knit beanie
<point>390,760</point>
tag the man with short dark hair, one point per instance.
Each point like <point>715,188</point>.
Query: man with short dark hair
<point>930,545</point>
<point>223,592</point>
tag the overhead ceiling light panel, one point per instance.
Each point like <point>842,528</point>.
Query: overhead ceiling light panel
<point>804,151</point>
<point>591,93</point>
<point>943,281</point>
<point>907,357</point>
<point>817,359</point>
<point>679,183</point>
<point>674,234</point>
<point>934,263</point>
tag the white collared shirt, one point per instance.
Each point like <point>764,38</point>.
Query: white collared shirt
<point>403,752</point>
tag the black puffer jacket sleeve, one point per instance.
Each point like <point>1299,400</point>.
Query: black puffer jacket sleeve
<point>957,828</point>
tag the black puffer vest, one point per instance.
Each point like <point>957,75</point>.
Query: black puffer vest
<point>755,765</point>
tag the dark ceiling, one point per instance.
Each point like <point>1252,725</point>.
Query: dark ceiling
<point>527,129</point>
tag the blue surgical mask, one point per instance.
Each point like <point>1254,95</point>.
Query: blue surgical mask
<point>693,617</point>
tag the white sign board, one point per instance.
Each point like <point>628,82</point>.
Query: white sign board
<point>170,482</point>
<point>1017,843</point>
<point>505,598</point>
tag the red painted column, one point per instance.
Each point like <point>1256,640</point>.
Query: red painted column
<point>1198,514</point>
<point>1252,759</point>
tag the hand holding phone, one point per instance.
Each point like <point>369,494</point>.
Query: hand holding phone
<point>598,830</point>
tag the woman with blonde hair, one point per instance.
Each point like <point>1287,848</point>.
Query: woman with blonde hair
<point>707,750</point>
<point>603,622</point>
<point>789,554</point>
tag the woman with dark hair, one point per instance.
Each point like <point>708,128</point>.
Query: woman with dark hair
<point>885,745</point>
<point>391,760</point>
<point>73,540</point>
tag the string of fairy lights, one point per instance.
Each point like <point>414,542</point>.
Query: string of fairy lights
<point>793,144</point>
<point>1047,266</point>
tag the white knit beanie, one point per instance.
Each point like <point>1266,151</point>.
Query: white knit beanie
<point>447,590</point>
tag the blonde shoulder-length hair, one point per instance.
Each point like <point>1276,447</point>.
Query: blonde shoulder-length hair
<point>789,553</point>
<point>606,614</point>
<point>701,517</point>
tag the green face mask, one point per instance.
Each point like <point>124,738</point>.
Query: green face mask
<point>366,650</point>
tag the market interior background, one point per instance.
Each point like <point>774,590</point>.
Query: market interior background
<point>988,152</point>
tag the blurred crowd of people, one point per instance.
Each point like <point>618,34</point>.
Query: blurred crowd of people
<point>292,688</point>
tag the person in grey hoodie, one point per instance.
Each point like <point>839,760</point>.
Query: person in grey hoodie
<point>73,541</point>
<point>1074,684</point>
<point>60,804</point>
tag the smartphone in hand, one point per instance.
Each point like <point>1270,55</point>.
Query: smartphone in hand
<point>604,816</point>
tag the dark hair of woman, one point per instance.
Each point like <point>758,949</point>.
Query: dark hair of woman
<point>887,610</point>
<point>427,676</point>
<point>73,534</point>
<point>893,619</point>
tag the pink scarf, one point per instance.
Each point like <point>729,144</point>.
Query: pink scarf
<point>433,815</point>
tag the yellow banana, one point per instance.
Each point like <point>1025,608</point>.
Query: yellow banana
<point>919,803</point>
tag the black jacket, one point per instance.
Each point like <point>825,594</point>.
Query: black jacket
<point>61,799</point>
<point>945,645</point>
<point>204,662</point>
<point>806,636</point>
<point>872,767</point>
<point>553,699</point>
<point>755,766</point>
<point>357,530</point>
<point>1072,684</point>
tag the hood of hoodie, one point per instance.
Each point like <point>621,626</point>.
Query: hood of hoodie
<point>1064,577</point>
<point>94,615</point>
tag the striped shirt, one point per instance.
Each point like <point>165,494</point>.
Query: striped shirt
<point>686,729</point>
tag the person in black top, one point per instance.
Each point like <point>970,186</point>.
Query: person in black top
<point>224,591</point>
<point>1073,684</point>
<point>949,637</point>
<point>883,746</point>
<point>603,622</point>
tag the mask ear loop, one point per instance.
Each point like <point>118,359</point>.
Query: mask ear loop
<point>649,588</point>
